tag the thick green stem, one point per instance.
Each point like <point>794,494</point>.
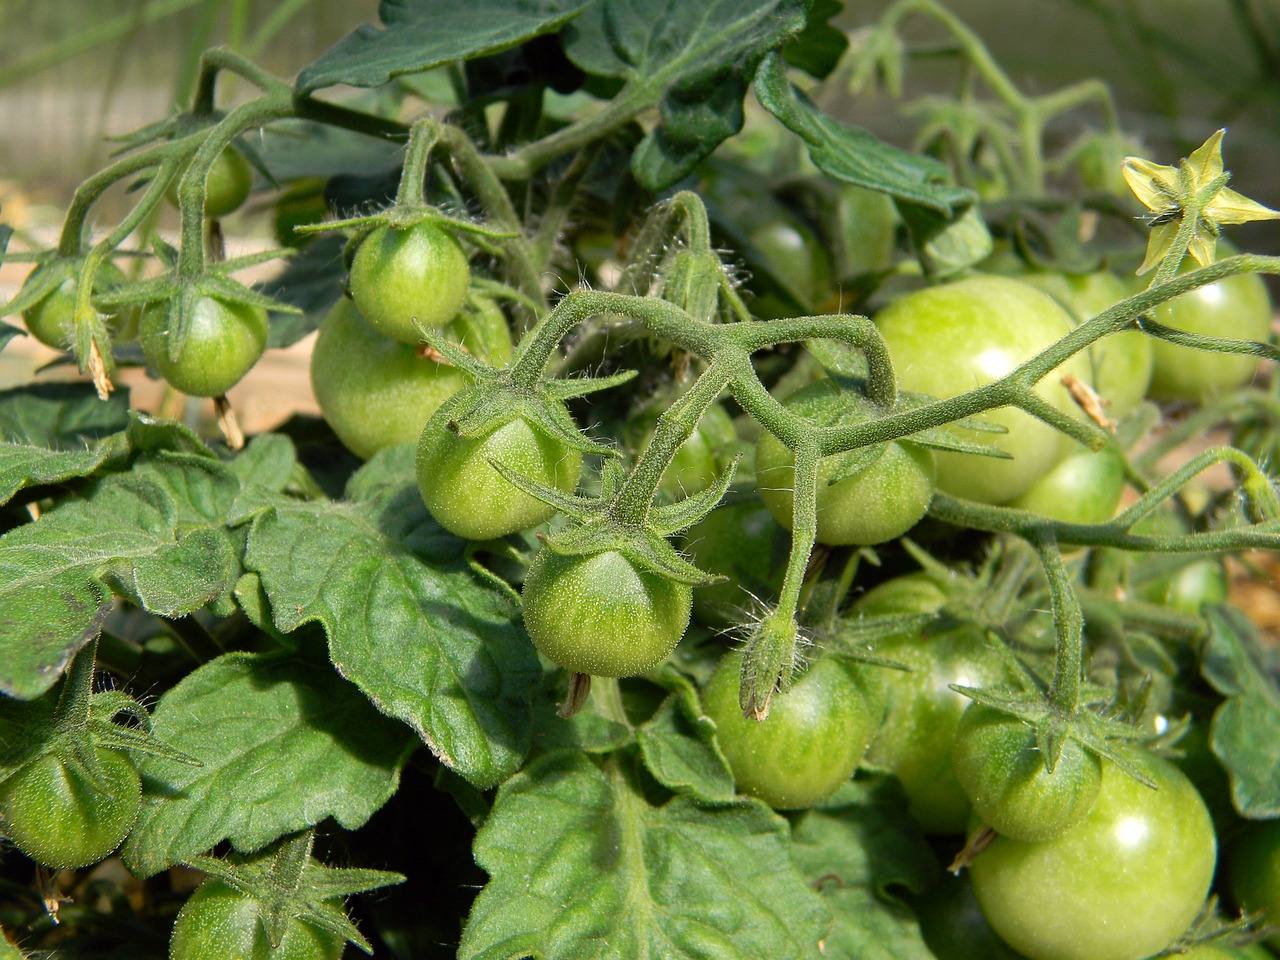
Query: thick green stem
<point>423,136</point>
<point>675,425</point>
<point>1068,624</point>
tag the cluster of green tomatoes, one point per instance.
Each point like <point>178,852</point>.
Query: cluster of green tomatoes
<point>1084,838</point>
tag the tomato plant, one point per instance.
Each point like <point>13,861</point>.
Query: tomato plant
<point>399,276</point>
<point>50,320</point>
<point>626,350</point>
<point>948,339</point>
<point>1090,893</point>
<point>1002,770</point>
<point>61,814</point>
<point>810,743</point>
<point>465,492</point>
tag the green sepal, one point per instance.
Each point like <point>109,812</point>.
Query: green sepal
<point>454,355</point>
<point>677,517</point>
<point>582,386</point>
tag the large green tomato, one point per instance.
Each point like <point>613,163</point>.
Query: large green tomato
<point>1121,885</point>
<point>921,709</point>
<point>374,391</point>
<point>880,502</point>
<point>1254,871</point>
<point>811,742</point>
<point>1237,307</point>
<point>601,614</point>
<point>224,341</point>
<point>949,339</point>
<point>1122,362</point>
<point>399,276</point>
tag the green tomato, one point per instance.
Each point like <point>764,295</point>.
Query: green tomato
<point>949,339</point>
<point>1002,771</point>
<point>1121,885</point>
<point>51,319</point>
<point>1236,307</point>
<point>921,709</point>
<point>1253,871</point>
<point>60,817</point>
<point>218,922</point>
<point>744,544</point>
<point>398,276</point>
<point>224,341</point>
<point>302,205</point>
<point>1086,487</point>
<point>226,188</point>
<point>376,392</point>
<point>794,255</point>
<point>868,223</point>
<point>810,744</point>
<point>468,497</point>
<point>601,614</point>
<point>1121,363</point>
<point>880,502</point>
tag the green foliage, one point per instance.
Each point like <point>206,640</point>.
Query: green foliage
<point>659,204</point>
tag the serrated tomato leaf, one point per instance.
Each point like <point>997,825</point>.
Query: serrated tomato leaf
<point>420,34</point>
<point>283,743</point>
<point>583,864</point>
<point>427,642</point>
<point>858,848</point>
<point>150,534</point>
<point>680,752</point>
<point>1245,732</point>
<point>62,416</point>
<point>693,60</point>
<point>851,154</point>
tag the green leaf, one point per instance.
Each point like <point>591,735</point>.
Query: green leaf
<point>420,34</point>
<point>819,46</point>
<point>1245,732</point>
<point>693,60</point>
<point>139,533</point>
<point>8,332</point>
<point>428,643</point>
<point>679,751</point>
<point>63,416</point>
<point>283,744</point>
<point>584,865</point>
<point>852,155</point>
<point>857,849</point>
<point>267,462</point>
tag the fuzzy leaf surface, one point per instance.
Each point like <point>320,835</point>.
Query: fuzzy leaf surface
<point>862,844</point>
<point>423,638</point>
<point>420,34</point>
<point>152,534</point>
<point>583,865</point>
<point>283,743</point>
<point>1245,732</point>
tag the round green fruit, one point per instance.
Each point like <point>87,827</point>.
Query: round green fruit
<point>601,614</point>
<point>809,745</point>
<point>224,340</point>
<point>376,392</point>
<point>399,276</point>
<point>949,339</point>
